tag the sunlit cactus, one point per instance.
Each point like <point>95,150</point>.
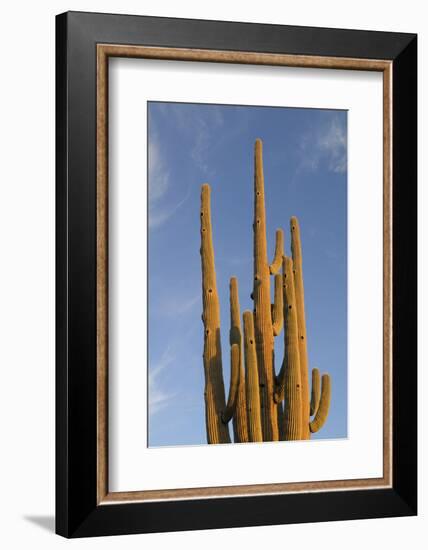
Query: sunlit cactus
<point>240,429</point>
<point>252,380</point>
<point>263,405</point>
<point>263,327</point>
<point>324,405</point>
<point>290,375</point>
<point>215,405</point>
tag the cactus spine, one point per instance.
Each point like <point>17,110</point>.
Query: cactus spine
<point>263,406</point>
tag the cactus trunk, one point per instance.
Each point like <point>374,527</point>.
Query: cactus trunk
<point>262,305</point>
<point>292,372</point>
<point>252,380</point>
<point>240,428</point>
<point>296,251</point>
<point>217,430</point>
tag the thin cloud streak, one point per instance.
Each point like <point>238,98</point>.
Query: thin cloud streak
<point>326,145</point>
<point>177,305</point>
<point>158,174</point>
<point>333,146</point>
<point>158,397</point>
<point>197,127</point>
<point>160,394</point>
<point>159,183</point>
<point>159,215</point>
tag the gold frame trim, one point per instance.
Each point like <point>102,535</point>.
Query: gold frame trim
<point>104,51</point>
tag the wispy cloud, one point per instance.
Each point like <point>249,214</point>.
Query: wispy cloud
<point>325,145</point>
<point>176,305</point>
<point>158,173</point>
<point>332,145</point>
<point>198,127</point>
<point>198,124</point>
<point>203,128</point>
<point>163,384</point>
<point>159,214</point>
<point>158,395</point>
<point>160,209</point>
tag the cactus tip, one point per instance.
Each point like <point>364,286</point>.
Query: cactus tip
<point>294,222</point>
<point>258,145</point>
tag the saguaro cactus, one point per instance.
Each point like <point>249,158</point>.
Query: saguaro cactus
<point>252,380</point>
<point>296,251</point>
<point>292,378</point>
<point>262,306</point>
<point>240,428</point>
<point>262,405</point>
<point>217,431</point>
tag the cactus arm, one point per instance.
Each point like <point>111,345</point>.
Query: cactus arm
<point>252,380</point>
<point>291,373</point>
<point>240,428</point>
<point>280,409</point>
<point>277,308</point>
<point>296,251</point>
<point>217,431</point>
<point>234,383</point>
<point>262,306</point>
<point>235,320</point>
<point>324,406</point>
<point>279,252</point>
<point>316,391</point>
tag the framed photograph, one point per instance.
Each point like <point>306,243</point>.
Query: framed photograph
<point>236,274</point>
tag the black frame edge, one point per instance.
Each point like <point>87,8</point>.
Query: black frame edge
<point>61,447</point>
<point>404,215</point>
<point>231,35</point>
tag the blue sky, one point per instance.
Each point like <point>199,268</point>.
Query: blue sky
<point>305,169</point>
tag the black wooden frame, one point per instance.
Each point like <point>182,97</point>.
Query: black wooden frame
<point>77,513</point>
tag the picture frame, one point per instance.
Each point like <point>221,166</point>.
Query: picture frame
<point>84,44</point>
